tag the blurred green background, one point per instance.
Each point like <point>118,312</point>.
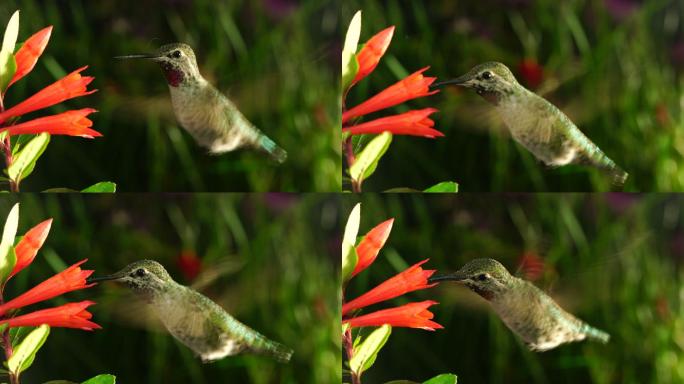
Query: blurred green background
<point>614,260</point>
<point>613,66</point>
<point>274,259</point>
<point>278,60</point>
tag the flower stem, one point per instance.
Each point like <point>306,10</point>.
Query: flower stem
<point>7,148</point>
<point>349,349</point>
<point>7,344</point>
<point>349,153</point>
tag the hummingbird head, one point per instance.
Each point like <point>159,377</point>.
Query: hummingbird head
<point>177,60</point>
<point>491,80</point>
<point>486,277</point>
<point>144,277</point>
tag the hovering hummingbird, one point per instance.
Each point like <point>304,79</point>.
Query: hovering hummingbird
<point>534,122</point>
<point>208,115</point>
<point>192,318</point>
<point>525,309</point>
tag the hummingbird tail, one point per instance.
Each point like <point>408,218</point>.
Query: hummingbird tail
<point>595,334</point>
<point>269,146</point>
<point>279,352</point>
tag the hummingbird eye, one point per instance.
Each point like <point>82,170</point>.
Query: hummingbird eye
<point>140,272</point>
<point>487,75</point>
<point>482,276</point>
<point>176,54</point>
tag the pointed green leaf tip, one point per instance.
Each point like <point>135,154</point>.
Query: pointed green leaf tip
<point>101,187</point>
<point>7,256</point>
<point>367,351</point>
<point>26,159</point>
<point>349,257</point>
<point>443,187</point>
<point>22,357</point>
<point>445,378</point>
<point>8,64</point>
<point>101,379</point>
<point>368,159</point>
<point>349,63</point>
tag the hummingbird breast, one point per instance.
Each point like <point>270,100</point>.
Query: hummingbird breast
<point>536,318</point>
<point>213,121</point>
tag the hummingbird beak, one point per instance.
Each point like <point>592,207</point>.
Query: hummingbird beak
<point>456,276</point>
<point>463,81</point>
<point>115,276</point>
<point>141,56</point>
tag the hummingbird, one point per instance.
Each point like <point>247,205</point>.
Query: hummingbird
<point>207,114</point>
<point>535,123</point>
<point>192,318</point>
<point>525,309</point>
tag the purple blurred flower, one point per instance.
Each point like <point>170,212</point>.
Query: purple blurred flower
<point>280,9</point>
<point>621,9</point>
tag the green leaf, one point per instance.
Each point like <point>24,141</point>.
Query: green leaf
<point>445,378</point>
<point>349,257</point>
<point>368,159</point>
<point>24,162</point>
<point>444,186</point>
<point>23,355</point>
<point>101,187</point>
<point>8,65</point>
<point>351,41</point>
<point>367,351</point>
<point>7,257</point>
<point>101,379</point>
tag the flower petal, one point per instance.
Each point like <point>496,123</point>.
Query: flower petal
<point>411,315</point>
<point>372,51</point>
<point>414,123</point>
<point>71,315</point>
<point>72,123</point>
<point>29,245</point>
<point>28,54</point>
<point>68,87</point>
<point>413,86</point>
<point>369,247</point>
<point>70,279</point>
<point>411,279</point>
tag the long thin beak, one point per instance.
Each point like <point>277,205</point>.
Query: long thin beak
<point>115,276</point>
<point>456,276</point>
<point>461,80</point>
<point>141,56</point>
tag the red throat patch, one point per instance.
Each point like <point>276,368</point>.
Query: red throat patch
<point>174,76</point>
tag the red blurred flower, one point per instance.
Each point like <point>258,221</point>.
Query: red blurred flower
<point>413,86</point>
<point>414,123</point>
<point>412,315</point>
<point>411,279</point>
<point>29,245</point>
<point>71,315</point>
<point>531,265</point>
<point>28,54</point>
<point>369,247</point>
<point>531,72</point>
<point>68,87</point>
<point>72,123</point>
<point>70,279</point>
<point>372,51</point>
<point>189,264</point>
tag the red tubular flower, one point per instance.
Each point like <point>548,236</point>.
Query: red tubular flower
<point>414,123</point>
<point>369,247</point>
<point>28,54</point>
<point>531,72</point>
<point>71,315</point>
<point>413,86</point>
<point>72,123</point>
<point>372,51</point>
<point>412,315</point>
<point>29,245</point>
<point>189,264</point>
<point>68,87</point>
<point>70,279</point>
<point>411,279</point>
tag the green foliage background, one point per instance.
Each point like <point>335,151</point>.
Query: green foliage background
<point>614,260</point>
<point>616,74</point>
<point>277,60</point>
<point>281,254</point>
